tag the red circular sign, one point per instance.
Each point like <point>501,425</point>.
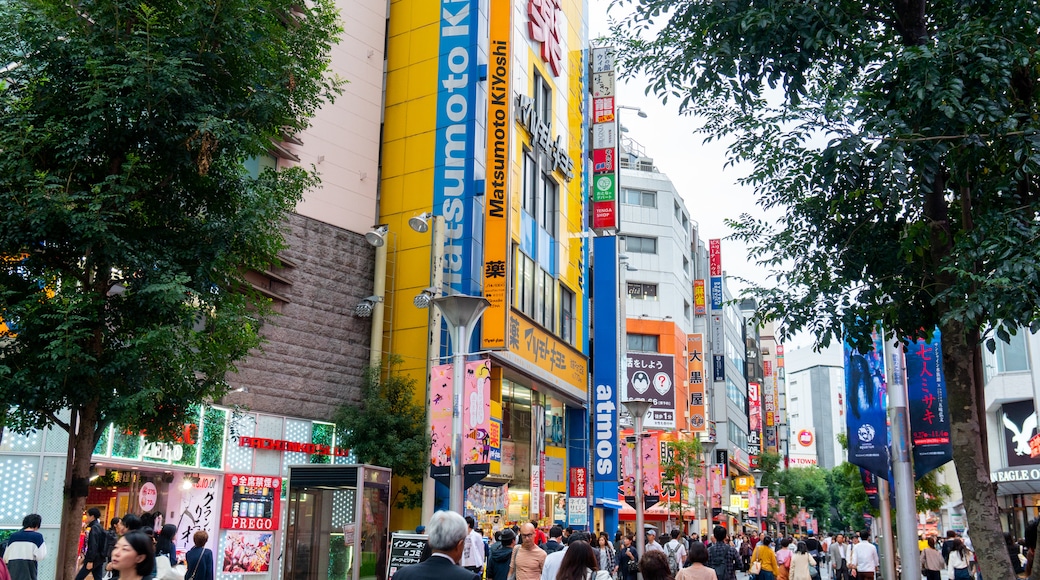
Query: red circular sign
<point>805,437</point>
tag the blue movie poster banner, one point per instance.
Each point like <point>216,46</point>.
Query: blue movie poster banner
<point>866,391</point>
<point>929,409</point>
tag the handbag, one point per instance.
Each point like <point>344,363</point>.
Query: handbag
<point>633,564</point>
<point>755,569</point>
<point>166,571</point>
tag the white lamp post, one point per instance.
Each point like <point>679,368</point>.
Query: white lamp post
<point>461,312</point>
<point>638,408</point>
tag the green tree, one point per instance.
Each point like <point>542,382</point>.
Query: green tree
<point>897,145</point>
<point>682,463</point>
<point>387,428</point>
<point>127,219</point>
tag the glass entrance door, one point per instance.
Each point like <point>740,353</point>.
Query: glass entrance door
<point>315,546</point>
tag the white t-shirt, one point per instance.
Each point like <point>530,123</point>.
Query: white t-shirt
<point>680,552</point>
<point>473,551</point>
<point>864,557</point>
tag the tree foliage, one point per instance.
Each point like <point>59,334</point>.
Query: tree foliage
<point>387,428</point>
<point>683,463</point>
<point>898,144</point>
<point>127,219</point>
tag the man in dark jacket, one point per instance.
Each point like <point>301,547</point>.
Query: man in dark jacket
<point>94,560</point>
<point>447,531</point>
<point>501,554</point>
<point>555,543</point>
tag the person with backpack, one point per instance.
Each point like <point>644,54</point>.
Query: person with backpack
<point>722,557</point>
<point>554,544</point>
<point>695,565</point>
<point>675,552</point>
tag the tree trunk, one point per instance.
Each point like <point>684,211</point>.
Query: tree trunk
<point>960,346</point>
<point>82,440</point>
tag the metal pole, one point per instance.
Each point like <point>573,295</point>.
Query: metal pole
<point>433,352</point>
<point>884,536</point>
<point>640,532</point>
<point>458,375</point>
<point>902,469</point>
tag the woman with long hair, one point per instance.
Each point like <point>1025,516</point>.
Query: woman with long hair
<point>766,558</point>
<point>579,563</point>
<point>164,543</point>
<point>800,562</point>
<point>605,558</point>
<point>133,557</point>
<point>958,564</point>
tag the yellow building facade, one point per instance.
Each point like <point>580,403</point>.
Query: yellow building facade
<point>485,129</point>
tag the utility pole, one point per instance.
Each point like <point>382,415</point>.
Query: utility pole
<point>902,469</point>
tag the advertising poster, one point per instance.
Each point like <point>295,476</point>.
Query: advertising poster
<point>651,469</point>
<point>716,486</point>
<point>405,550</point>
<point>763,501</point>
<point>247,552</point>
<point>476,421</point>
<point>753,504</point>
<point>440,422</point>
<point>866,391</point>
<point>651,377</point>
<point>870,486</point>
<point>628,470</point>
<point>782,516</point>
<point>929,410</point>
<point>251,502</point>
<point>700,304</point>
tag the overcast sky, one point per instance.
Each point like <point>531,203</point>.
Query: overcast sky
<point>711,193</point>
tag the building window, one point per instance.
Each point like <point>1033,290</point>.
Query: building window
<point>686,310</point>
<point>639,197</point>
<point>543,100</point>
<point>737,437</point>
<point>641,245</point>
<point>642,342</point>
<point>686,266</point>
<point>640,291</point>
<point>549,204</point>
<point>567,323</point>
<point>545,301</point>
<point>524,277</point>
<point>738,398</point>
<point>530,184</point>
<point>1008,357</point>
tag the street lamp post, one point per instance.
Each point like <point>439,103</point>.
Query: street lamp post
<point>461,312</point>
<point>638,408</point>
<point>707,447</point>
<point>798,524</point>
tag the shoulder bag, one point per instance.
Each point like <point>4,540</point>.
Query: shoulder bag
<point>196,568</point>
<point>756,564</point>
<point>511,574</point>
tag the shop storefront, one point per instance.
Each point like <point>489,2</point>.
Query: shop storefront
<point>225,474</point>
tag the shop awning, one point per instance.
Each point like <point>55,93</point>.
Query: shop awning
<point>610,504</point>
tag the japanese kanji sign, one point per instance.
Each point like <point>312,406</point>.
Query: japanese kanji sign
<point>695,366</point>
<point>251,502</point>
<point>929,410</point>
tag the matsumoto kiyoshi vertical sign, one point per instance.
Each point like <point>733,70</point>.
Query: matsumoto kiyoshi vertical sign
<point>651,377</point>
<point>454,192</point>
<point>866,390</point>
<point>496,209</point>
<point>929,410</point>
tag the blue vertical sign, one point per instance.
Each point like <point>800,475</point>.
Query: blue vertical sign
<point>866,392</point>
<point>927,404</point>
<point>715,289</point>
<point>454,188</point>
<point>605,400</point>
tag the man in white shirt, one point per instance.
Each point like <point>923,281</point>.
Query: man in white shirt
<point>473,551</point>
<point>864,562</point>
<point>651,541</point>
<point>675,550</point>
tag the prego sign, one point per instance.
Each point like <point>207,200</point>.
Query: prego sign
<point>251,502</point>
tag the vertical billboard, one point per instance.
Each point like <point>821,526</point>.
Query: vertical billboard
<point>754,437</point>
<point>927,404</point>
<point>866,392</point>
<point>605,400</point>
<point>496,209</point>
<point>455,150</point>
<point>440,391</point>
<point>1020,424</point>
<point>700,307</point>
<point>651,377</point>
<point>476,422</point>
<point>695,367</point>
<point>603,193</point>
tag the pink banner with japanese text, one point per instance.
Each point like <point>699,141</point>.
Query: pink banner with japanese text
<point>440,393</point>
<point>476,413</point>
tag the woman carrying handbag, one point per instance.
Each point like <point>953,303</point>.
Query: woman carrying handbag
<point>199,559</point>
<point>763,561</point>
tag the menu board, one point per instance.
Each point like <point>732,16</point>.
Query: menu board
<point>405,550</point>
<point>251,502</point>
